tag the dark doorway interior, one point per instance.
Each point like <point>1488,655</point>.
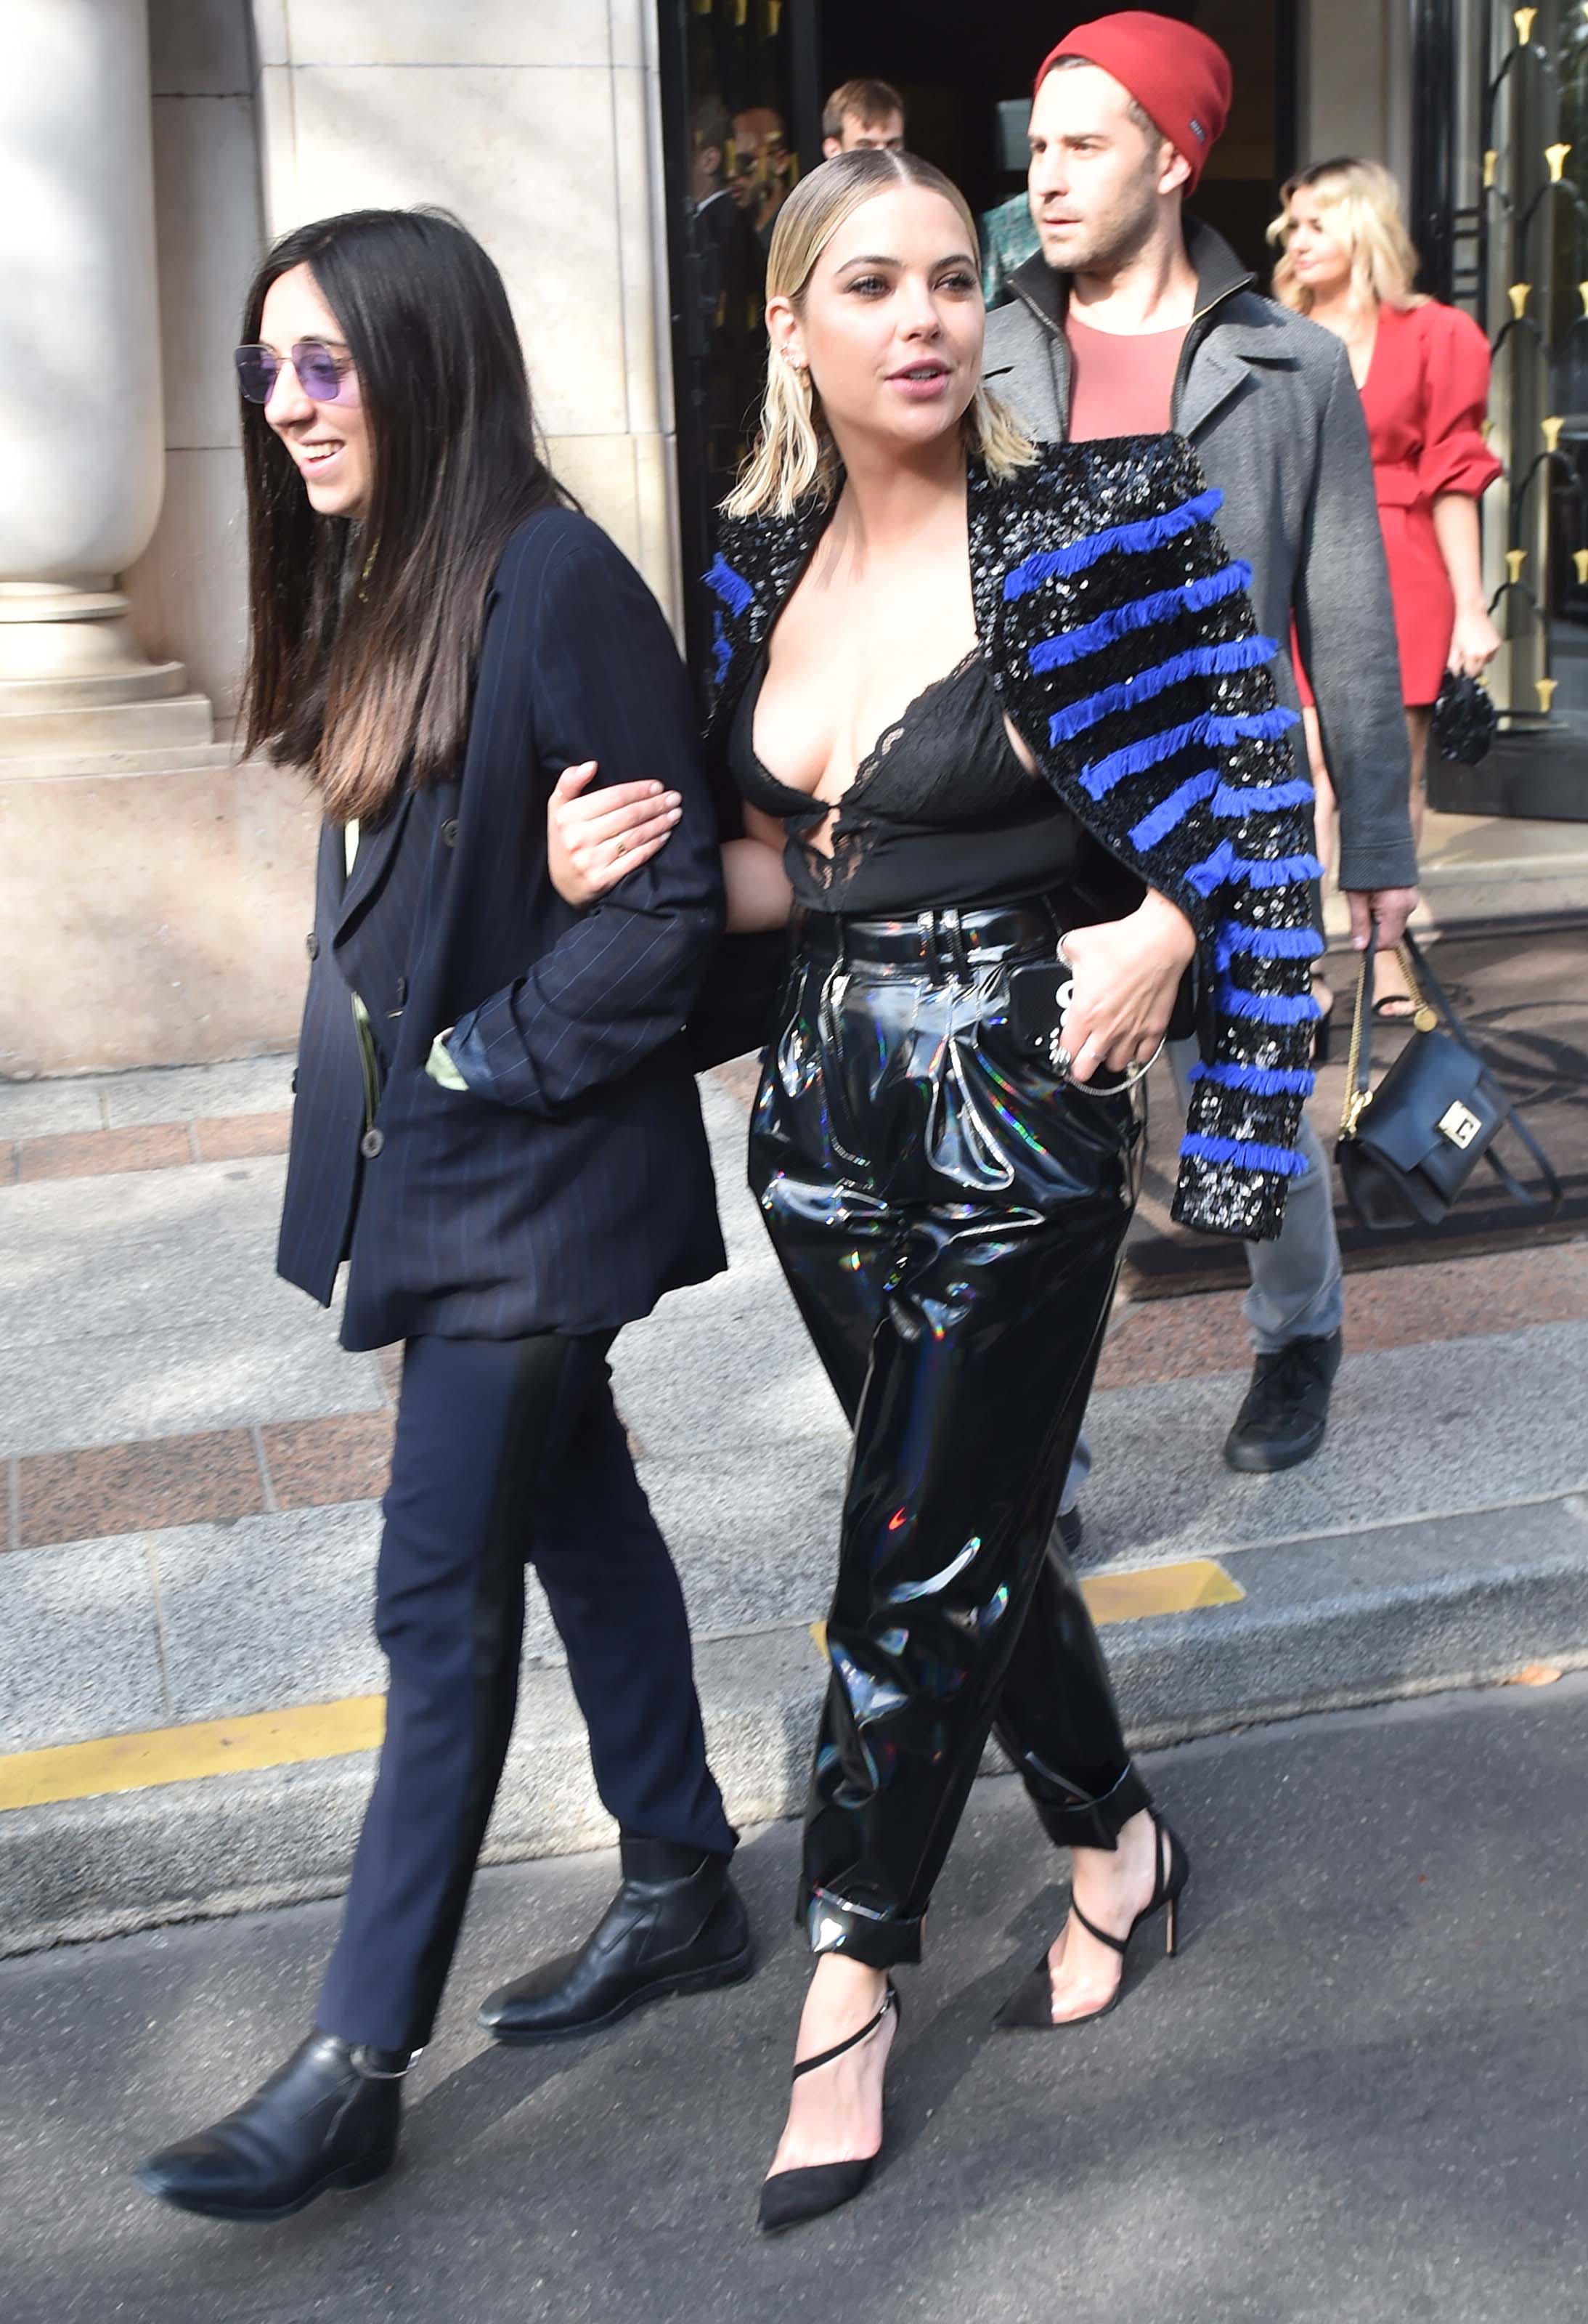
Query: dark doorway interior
<point>955,65</point>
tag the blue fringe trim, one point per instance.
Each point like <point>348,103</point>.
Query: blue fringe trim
<point>1260,798</point>
<point>1274,871</point>
<point>1244,1153</point>
<point>1139,614</point>
<point>721,652</point>
<point>734,590</point>
<point>1147,533</point>
<point>1268,1008</point>
<point>1210,726</point>
<point>1254,725</point>
<point>1266,943</point>
<point>1197,662</point>
<point>1262,1081</point>
<point>1213,871</point>
<point>1252,871</point>
<point>1174,809</point>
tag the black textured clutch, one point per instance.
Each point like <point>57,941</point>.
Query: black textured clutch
<point>1465,721</point>
<point>1408,1147</point>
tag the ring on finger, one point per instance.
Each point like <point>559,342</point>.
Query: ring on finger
<point>622,847</point>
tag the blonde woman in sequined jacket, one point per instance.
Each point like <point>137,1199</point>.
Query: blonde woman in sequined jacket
<point>1011,762</point>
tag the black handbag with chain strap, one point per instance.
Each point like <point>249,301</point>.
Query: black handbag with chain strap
<point>1408,1147</point>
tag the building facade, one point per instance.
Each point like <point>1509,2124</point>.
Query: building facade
<point>150,149</point>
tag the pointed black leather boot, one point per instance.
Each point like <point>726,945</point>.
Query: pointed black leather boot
<point>676,1925</point>
<point>327,2118</point>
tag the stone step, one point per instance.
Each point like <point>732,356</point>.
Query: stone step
<point>166,722</point>
<point>1380,1615</point>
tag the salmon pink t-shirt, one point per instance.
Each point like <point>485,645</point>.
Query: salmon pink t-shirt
<point>1121,383</point>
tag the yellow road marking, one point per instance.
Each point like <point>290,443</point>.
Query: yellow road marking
<point>1160,1589</point>
<point>1133,1597</point>
<point>178,1755</point>
<point>333,1730</point>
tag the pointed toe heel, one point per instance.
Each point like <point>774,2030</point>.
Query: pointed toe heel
<point>792,2196</point>
<point>1029,2007</point>
<point>789,2197</point>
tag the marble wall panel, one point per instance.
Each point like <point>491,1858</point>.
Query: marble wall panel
<point>524,157</point>
<point>189,590</point>
<point>462,33</point>
<point>209,235</point>
<point>200,48</point>
<point>201,887</point>
<point>599,471</point>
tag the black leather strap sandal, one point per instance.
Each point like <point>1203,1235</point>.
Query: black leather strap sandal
<point>1029,2007</point>
<point>790,2196</point>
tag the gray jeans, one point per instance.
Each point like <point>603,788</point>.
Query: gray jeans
<point>1297,1292</point>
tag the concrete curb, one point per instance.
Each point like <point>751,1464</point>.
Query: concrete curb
<point>1353,1618</point>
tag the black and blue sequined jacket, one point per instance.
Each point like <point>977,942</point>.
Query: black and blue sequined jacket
<point>1118,631</point>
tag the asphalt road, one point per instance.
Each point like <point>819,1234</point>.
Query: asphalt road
<point>1358,2093</point>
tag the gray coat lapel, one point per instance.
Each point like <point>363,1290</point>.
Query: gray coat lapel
<point>1226,361</point>
<point>1217,371</point>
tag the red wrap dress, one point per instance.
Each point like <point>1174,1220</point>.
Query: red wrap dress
<point>1424,398</point>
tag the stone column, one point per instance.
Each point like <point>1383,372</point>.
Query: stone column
<point>81,464</point>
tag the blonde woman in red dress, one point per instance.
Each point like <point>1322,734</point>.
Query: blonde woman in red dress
<point>1422,370</point>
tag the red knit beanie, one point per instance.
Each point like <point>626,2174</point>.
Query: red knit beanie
<point>1177,75</point>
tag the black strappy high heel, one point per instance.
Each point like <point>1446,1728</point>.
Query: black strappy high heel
<point>789,2197</point>
<point>1029,2007</point>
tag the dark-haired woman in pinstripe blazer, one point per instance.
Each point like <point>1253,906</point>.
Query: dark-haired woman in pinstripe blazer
<point>495,1127</point>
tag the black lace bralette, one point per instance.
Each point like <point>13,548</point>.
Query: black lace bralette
<point>947,762</point>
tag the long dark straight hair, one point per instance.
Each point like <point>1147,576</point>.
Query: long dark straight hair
<point>364,638</point>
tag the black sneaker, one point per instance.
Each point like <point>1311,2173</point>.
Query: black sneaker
<point>1070,1531</point>
<point>1283,1421</point>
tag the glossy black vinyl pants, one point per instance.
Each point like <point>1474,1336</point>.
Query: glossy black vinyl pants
<point>950,1220</point>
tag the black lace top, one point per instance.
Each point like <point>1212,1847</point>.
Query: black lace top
<point>940,811</point>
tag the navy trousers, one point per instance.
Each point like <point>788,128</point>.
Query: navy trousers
<point>507,1452</point>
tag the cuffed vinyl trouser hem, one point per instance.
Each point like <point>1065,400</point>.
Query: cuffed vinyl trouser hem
<point>1072,1820</point>
<point>880,1939</point>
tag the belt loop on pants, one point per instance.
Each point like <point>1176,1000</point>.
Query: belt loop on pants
<point>955,934</point>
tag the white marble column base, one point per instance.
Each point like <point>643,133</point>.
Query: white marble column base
<point>74,679</point>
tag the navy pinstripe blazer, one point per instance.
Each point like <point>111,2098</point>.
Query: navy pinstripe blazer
<point>570,1185</point>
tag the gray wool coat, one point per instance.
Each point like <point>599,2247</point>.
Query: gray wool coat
<point>1268,402</point>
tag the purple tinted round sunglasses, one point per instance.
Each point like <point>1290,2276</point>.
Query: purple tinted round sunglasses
<point>323,370</point>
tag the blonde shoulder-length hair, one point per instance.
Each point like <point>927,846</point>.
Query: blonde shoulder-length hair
<point>794,452</point>
<point>1360,203</point>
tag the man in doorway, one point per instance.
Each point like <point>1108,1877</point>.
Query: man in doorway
<point>728,347</point>
<point>764,168</point>
<point>1132,319</point>
<point>862,113</point>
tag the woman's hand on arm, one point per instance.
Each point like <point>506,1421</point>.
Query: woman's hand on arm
<point>1126,973</point>
<point>593,839</point>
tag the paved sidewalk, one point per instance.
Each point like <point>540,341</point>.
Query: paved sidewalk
<point>189,1682</point>
<point>1357,2097</point>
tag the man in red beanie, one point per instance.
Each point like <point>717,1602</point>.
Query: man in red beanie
<point>1134,319</point>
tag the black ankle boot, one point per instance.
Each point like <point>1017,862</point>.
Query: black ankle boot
<point>328,2118</point>
<point>1285,1411</point>
<point>676,1925</point>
